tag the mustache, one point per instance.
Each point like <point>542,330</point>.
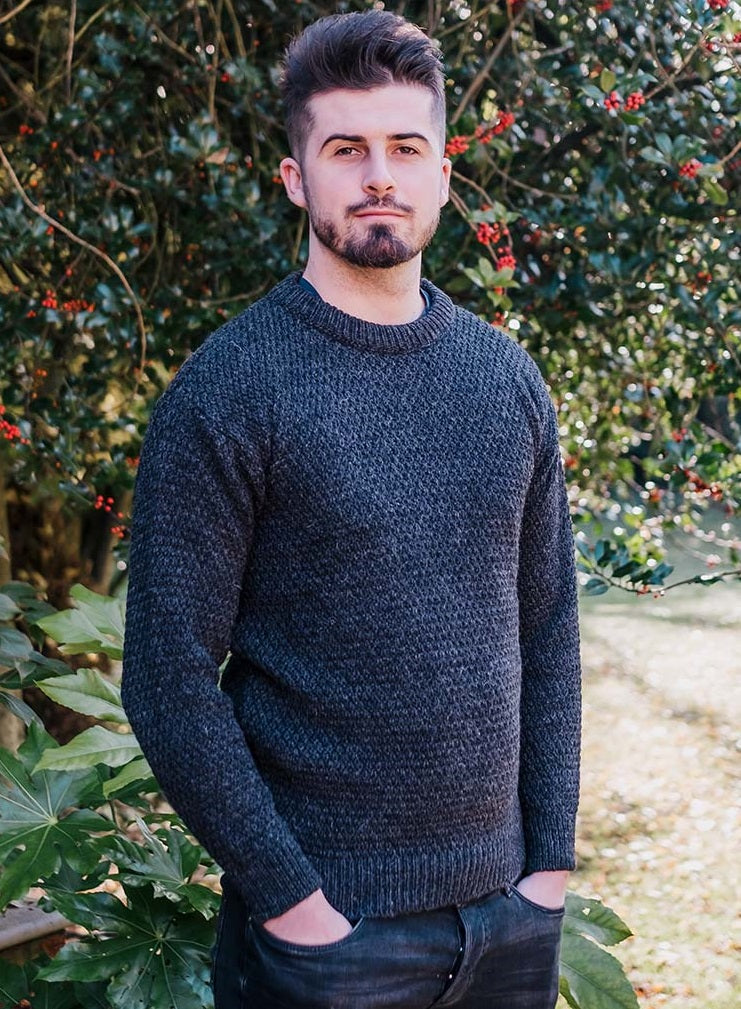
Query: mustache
<point>384,204</point>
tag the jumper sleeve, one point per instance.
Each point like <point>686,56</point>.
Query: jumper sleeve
<point>197,494</point>
<point>551,673</point>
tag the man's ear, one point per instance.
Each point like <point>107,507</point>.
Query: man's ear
<point>290,172</point>
<point>447,167</point>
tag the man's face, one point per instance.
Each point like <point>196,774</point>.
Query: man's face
<point>373,177</point>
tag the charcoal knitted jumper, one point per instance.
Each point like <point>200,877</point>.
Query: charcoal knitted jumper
<point>373,521</point>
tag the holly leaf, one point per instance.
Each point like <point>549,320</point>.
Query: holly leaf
<point>607,80</point>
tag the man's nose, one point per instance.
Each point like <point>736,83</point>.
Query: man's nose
<point>378,179</point>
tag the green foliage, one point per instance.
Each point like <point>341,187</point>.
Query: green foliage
<point>69,822</point>
<point>590,978</point>
<point>155,954</point>
<point>593,151</point>
<point>43,814</point>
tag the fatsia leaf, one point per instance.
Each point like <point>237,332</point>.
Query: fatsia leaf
<point>157,955</point>
<point>15,647</point>
<point>96,624</point>
<point>20,982</point>
<point>38,818</point>
<point>137,770</point>
<point>8,608</point>
<point>88,692</point>
<point>166,865</point>
<point>106,613</point>
<point>591,978</point>
<point>96,745</point>
<point>591,918</point>
<point>19,708</point>
<point>76,634</point>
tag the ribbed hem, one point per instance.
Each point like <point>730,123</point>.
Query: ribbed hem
<point>396,882</point>
<point>371,336</point>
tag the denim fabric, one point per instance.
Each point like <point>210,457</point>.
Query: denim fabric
<point>497,952</point>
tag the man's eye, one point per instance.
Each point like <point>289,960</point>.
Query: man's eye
<point>406,149</point>
<point>345,150</point>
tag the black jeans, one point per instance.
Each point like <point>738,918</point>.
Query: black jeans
<point>498,952</point>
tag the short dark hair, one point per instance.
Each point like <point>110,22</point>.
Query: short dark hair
<point>356,51</point>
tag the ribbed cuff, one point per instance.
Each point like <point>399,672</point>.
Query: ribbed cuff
<point>276,879</point>
<point>549,844</point>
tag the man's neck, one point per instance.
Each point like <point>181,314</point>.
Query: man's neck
<point>389,297</point>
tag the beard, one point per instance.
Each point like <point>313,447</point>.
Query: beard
<point>379,247</point>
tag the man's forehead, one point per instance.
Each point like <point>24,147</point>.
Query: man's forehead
<point>400,107</point>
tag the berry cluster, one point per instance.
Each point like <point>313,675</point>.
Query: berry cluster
<point>49,300</point>
<point>613,101</point>
<point>718,5</point>
<point>106,504</point>
<point>506,261</point>
<point>603,5</point>
<point>24,129</point>
<point>483,134</point>
<point>8,431</point>
<point>634,101</point>
<point>712,490</point>
<point>456,145</point>
<point>488,234</point>
<point>690,168</point>
<point>78,305</point>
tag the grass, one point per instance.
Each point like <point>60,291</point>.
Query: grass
<point>659,828</point>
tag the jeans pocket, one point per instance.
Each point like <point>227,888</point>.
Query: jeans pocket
<point>552,912</point>
<point>264,936</point>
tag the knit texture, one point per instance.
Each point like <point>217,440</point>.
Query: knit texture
<point>372,520</point>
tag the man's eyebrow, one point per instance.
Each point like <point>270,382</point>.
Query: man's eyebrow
<point>359,140</point>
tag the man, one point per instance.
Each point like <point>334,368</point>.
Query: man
<point>355,488</point>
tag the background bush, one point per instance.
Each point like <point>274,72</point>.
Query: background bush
<point>591,213</point>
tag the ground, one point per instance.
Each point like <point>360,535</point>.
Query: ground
<point>660,825</point>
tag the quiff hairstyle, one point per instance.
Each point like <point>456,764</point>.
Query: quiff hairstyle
<point>356,51</point>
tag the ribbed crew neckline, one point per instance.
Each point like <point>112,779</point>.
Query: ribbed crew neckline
<point>358,333</point>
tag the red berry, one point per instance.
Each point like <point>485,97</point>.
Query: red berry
<point>634,101</point>
<point>613,100</point>
<point>690,168</point>
<point>456,145</point>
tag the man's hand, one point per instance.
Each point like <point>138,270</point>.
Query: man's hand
<point>545,888</point>
<point>311,922</point>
